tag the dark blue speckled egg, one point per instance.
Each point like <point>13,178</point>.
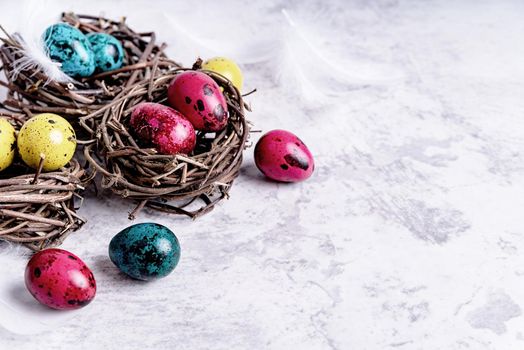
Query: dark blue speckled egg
<point>69,46</point>
<point>145,251</point>
<point>108,51</point>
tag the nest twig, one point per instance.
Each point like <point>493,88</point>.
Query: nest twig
<point>168,183</point>
<point>32,92</point>
<point>39,211</point>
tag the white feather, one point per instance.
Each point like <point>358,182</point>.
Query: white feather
<point>30,34</point>
<point>308,71</point>
<point>35,59</point>
<point>290,51</point>
<point>12,264</point>
<point>188,44</point>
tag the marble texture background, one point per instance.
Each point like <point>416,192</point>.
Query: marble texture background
<point>408,236</point>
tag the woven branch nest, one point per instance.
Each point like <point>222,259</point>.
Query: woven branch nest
<point>41,213</point>
<point>38,209</point>
<point>31,91</point>
<point>168,183</point>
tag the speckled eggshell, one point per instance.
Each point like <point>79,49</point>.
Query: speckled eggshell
<point>69,46</point>
<point>7,143</point>
<point>198,97</point>
<point>145,251</point>
<point>226,67</point>
<point>163,128</point>
<point>108,51</point>
<point>282,156</point>
<point>50,135</point>
<point>60,280</point>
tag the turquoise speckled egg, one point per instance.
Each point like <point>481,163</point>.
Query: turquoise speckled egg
<point>69,46</point>
<point>108,51</point>
<point>145,251</point>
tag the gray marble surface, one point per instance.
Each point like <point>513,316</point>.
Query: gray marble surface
<point>408,236</point>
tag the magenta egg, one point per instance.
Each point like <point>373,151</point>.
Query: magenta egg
<point>198,97</point>
<point>168,131</point>
<point>282,156</point>
<point>59,279</point>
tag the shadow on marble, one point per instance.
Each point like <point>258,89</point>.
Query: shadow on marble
<point>250,173</point>
<point>105,267</point>
<point>106,270</point>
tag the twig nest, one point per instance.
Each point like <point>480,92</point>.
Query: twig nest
<point>166,182</point>
<point>38,211</point>
<point>35,92</point>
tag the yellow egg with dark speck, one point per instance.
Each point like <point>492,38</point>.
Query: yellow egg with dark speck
<point>228,68</point>
<point>47,136</point>
<point>7,144</point>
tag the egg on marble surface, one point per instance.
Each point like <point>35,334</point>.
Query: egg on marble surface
<point>167,130</point>
<point>7,144</point>
<point>198,97</point>
<point>68,46</point>
<point>60,279</point>
<point>49,136</point>
<point>145,251</point>
<point>226,67</point>
<point>107,50</point>
<point>282,156</point>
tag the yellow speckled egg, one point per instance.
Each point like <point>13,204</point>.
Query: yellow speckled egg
<point>227,68</point>
<point>7,143</point>
<point>46,135</point>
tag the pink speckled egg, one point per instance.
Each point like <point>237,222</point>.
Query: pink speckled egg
<point>282,156</point>
<point>163,128</point>
<point>60,280</point>
<point>199,99</point>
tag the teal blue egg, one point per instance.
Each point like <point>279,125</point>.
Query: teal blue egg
<point>69,46</point>
<point>108,51</point>
<point>145,251</point>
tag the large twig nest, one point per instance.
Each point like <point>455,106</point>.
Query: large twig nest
<point>32,92</point>
<point>40,213</point>
<point>167,183</point>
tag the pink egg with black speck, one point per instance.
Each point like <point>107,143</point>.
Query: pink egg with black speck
<point>282,156</point>
<point>163,128</point>
<point>60,280</point>
<point>198,97</point>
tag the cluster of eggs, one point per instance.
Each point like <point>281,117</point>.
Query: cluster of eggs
<point>61,280</point>
<point>46,138</point>
<point>81,55</point>
<point>195,102</point>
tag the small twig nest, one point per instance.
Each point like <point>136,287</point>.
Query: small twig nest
<point>168,183</point>
<point>32,91</point>
<point>38,210</point>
